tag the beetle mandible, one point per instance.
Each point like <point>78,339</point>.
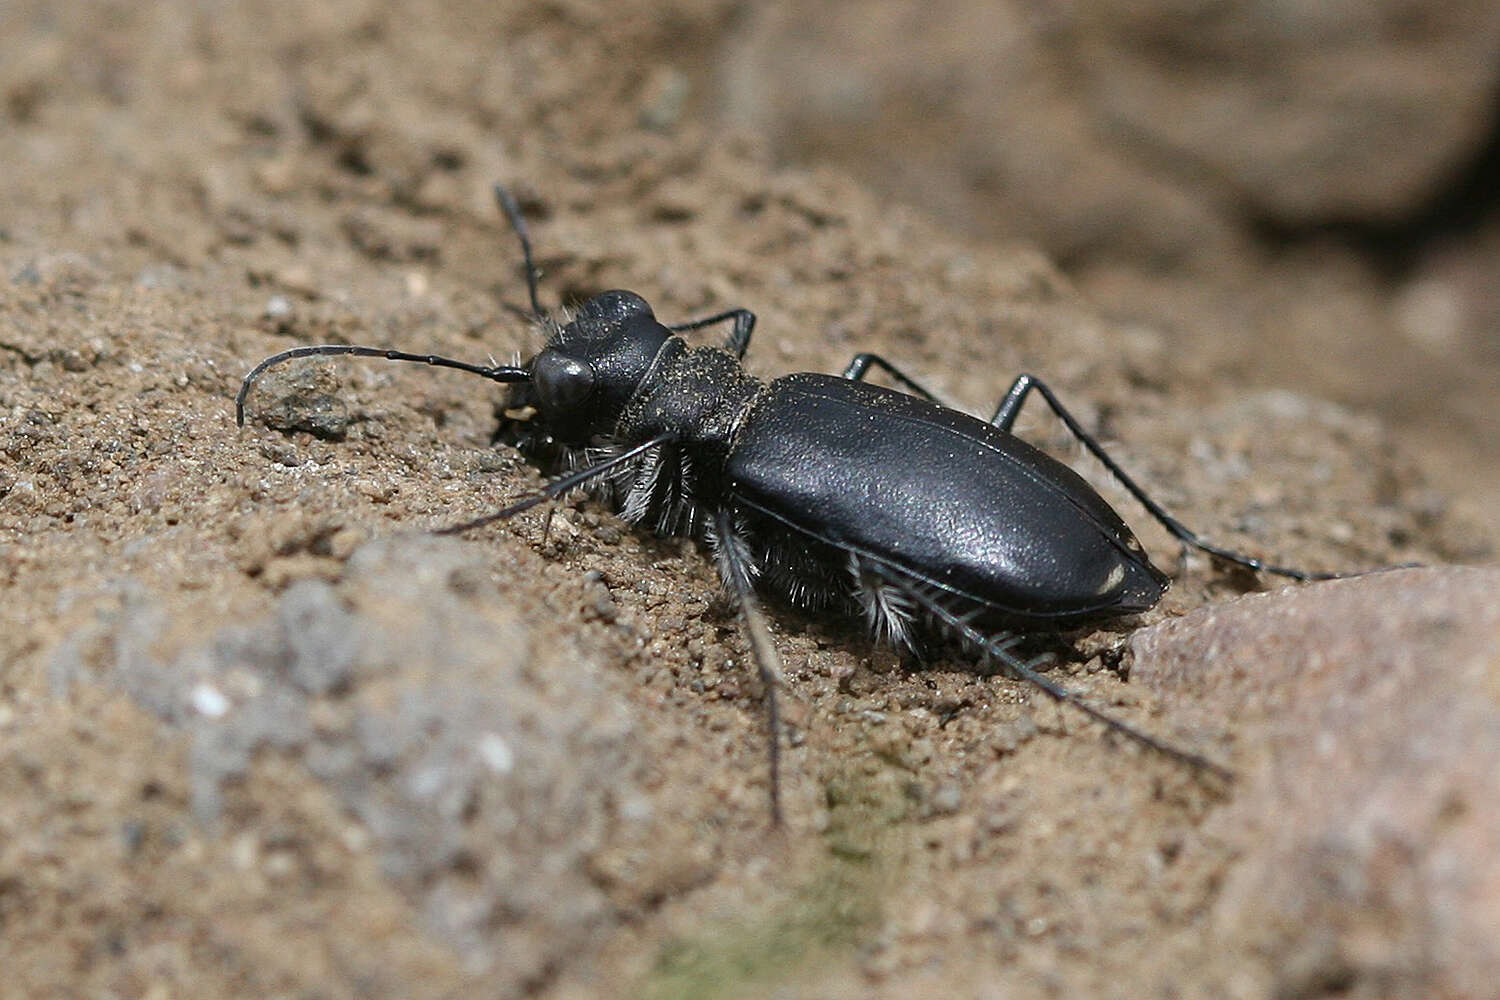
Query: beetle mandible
<point>829,491</point>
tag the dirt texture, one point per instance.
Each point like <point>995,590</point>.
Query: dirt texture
<point>263,735</point>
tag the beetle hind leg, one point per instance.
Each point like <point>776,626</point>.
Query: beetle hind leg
<point>1007,644</point>
<point>1005,418</point>
<point>1001,651</point>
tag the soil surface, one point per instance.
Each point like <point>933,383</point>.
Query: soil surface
<point>261,734</point>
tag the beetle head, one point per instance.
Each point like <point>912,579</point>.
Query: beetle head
<point>592,366</point>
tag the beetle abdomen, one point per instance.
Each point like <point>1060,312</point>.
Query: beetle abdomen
<point>942,497</point>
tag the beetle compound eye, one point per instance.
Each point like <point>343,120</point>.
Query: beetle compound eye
<point>562,383</point>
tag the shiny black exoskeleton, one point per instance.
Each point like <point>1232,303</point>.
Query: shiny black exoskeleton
<point>828,491</point>
<point>834,485</point>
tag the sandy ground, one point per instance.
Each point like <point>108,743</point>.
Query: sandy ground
<point>262,736</point>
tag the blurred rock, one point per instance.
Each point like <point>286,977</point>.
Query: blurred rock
<point>492,771</point>
<point>1309,111</point>
<point>1368,720</point>
<point>1151,129</point>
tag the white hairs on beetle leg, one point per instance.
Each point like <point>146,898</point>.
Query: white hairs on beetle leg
<point>738,569</point>
<point>805,581</point>
<point>680,514</point>
<point>888,609</point>
<point>641,487</point>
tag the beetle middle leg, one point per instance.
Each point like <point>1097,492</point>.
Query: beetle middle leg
<point>737,568</point>
<point>1005,418</point>
<point>860,365</point>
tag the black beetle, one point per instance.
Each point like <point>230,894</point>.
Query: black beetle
<point>830,492</point>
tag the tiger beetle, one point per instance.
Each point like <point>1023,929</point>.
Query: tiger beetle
<point>832,493</point>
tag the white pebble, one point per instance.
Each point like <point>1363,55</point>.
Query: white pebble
<point>496,753</point>
<point>209,700</point>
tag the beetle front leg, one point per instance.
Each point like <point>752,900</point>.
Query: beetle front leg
<point>860,364</point>
<point>559,487</point>
<point>1005,418</point>
<point>738,341</point>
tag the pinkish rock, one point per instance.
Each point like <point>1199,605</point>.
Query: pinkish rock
<point>1367,718</point>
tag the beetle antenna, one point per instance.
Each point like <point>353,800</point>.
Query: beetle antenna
<point>495,373</point>
<point>1025,671</point>
<point>512,212</point>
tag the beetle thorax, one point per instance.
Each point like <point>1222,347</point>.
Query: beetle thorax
<point>695,394</point>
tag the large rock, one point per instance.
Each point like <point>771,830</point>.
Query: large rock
<point>1145,128</point>
<point>1369,729</point>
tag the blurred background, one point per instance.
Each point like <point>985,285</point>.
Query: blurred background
<point>1297,193</point>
